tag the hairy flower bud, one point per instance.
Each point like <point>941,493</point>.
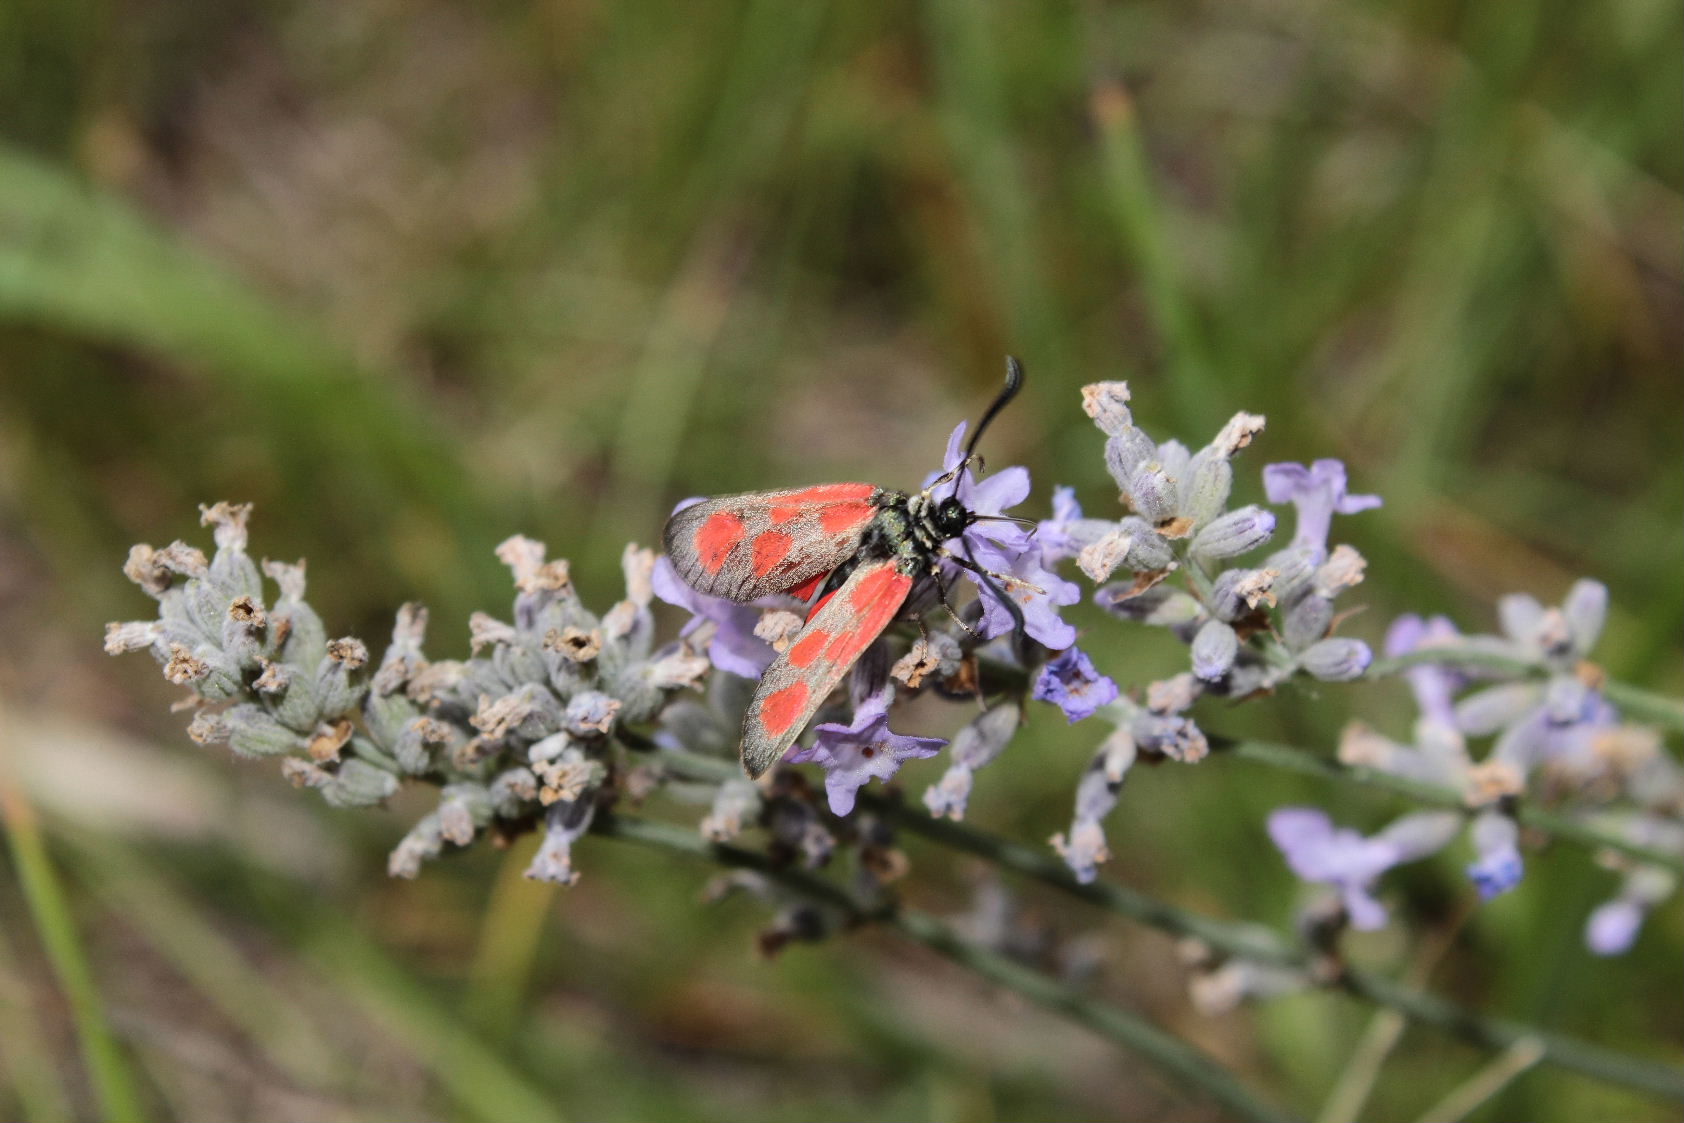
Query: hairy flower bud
<point>1234,533</point>
<point>1337,660</point>
<point>1214,649</point>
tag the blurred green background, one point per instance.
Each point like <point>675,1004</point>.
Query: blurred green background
<point>416,276</point>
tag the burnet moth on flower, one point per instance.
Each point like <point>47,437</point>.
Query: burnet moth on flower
<point>853,551</point>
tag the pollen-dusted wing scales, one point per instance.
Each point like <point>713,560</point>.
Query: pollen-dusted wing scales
<point>743,547</point>
<point>809,669</point>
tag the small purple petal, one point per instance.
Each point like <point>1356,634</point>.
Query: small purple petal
<point>1070,682</point>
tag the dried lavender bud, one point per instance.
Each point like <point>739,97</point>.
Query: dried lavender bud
<point>1234,533</point>
<point>530,712</point>
<point>937,653</point>
<point>133,635</point>
<point>463,809</point>
<point>1107,404</point>
<point>424,842</point>
<point>591,713</point>
<point>1342,570</point>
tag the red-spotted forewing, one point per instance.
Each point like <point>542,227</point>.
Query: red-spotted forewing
<point>744,547</point>
<point>810,668</point>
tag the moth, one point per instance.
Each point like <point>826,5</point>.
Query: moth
<point>852,551</point>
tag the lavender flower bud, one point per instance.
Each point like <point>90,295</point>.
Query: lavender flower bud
<point>463,809</point>
<point>1586,610</point>
<point>423,842</point>
<point>1486,711</point>
<point>1297,565</point>
<point>1151,492</point>
<point>155,571</point>
<point>206,669</point>
<point>591,713</point>
<point>1205,491</point>
<point>1337,660</point>
<point>354,783</point>
<point>243,630</point>
<point>1566,698</point>
<point>1234,533</point>
<point>403,659</point>
<point>511,791</point>
<point>1237,592</point>
<point>1084,850</point>
<point>564,824</point>
<point>253,733</point>
<point>1498,867</point>
<point>1306,620</point>
<point>1214,649</point>
<point>736,802</point>
<point>1342,570</point>
<point>530,713</point>
<point>1158,606</point>
<point>132,635</point>
<point>1170,735</point>
<point>336,692</point>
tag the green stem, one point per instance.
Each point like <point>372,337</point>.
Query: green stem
<point>1174,1056</point>
<point>1249,941</point>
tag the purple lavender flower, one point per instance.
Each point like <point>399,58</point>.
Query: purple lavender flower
<point>1007,549</point>
<point>1071,683</point>
<point>1318,851</point>
<point>1435,687</point>
<point>1612,927</point>
<point>1067,533</point>
<point>734,647</point>
<point>862,750</point>
<point>1318,492</point>
<point>1497,867</point>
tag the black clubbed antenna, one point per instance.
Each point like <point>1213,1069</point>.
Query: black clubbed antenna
<point>1014,383</point>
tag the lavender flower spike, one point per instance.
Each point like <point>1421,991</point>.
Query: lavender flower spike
<point>862,750</point>
<point>1318,492</point>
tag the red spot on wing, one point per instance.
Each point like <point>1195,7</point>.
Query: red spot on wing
<point>875,599</point>
<point>873,586</point>
<point>807,648</point>
<point>770,548</point>
<point>715,538</point>
<point>838,517</point>
<point>781,707</point>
